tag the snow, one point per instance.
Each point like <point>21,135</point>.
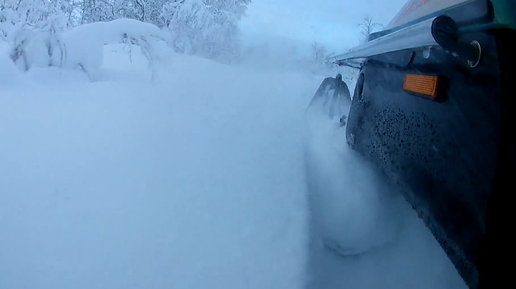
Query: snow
<point>346,193</point>
<point>85,43</point>
<point>82,47</point>
<point>8,71</point>
<point>198,180</point>
<point>353,206</point>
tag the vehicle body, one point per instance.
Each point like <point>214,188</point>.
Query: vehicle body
<point>433,109</point>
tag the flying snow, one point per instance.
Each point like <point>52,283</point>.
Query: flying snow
<point>210,177</point>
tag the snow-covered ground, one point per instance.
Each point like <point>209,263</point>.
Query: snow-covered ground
<point>196,179</point>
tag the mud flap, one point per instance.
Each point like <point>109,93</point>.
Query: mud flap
<point>332,98</point>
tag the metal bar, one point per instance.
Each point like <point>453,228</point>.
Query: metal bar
<point>350,63</point>
<point>415,36</point>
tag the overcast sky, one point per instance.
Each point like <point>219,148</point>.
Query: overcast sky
<point>332,22</point>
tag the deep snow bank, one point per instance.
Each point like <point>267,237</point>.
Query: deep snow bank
<point>197,182</point>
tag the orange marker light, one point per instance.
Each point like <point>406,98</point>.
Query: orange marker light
<point>422,84</point>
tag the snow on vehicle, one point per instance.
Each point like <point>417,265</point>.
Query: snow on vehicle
<point>433,109</point>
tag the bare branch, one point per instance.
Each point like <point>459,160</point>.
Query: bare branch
<point>368,26</point>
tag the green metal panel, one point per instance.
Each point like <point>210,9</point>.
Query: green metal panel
<point>505,13</point>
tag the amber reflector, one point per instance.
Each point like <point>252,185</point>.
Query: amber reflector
<point>422,84</point>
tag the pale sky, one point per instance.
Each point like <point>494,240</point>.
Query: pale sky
<point>331,22</point>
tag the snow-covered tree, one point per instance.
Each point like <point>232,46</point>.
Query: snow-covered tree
<point>107,10</point>
<point>72,33</point>
<point>98,10</point>
<point>149,11</point>
<point>320,60</point>
<point>205,27</point>
<point>319,52</point>
<point>368,27</point>
<point>31,12</point>
<point>33,25</point>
